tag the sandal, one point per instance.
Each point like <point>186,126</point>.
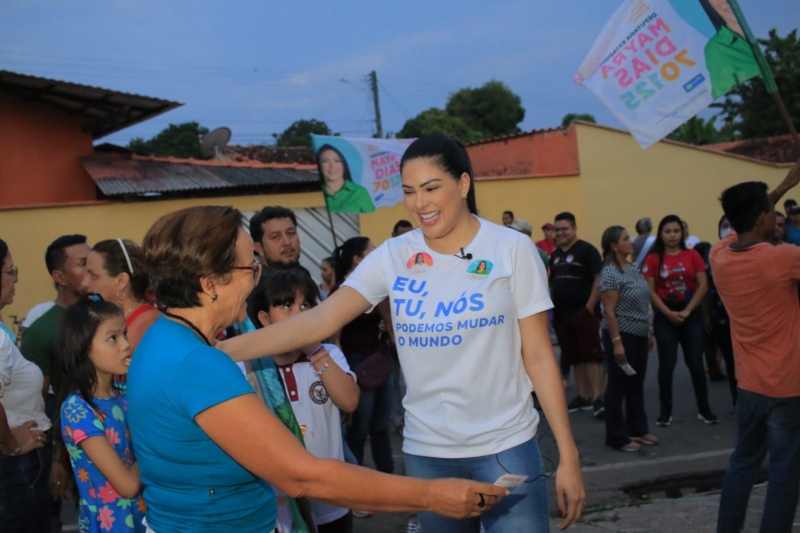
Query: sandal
<point>648,440</point>
<point>630,447</point>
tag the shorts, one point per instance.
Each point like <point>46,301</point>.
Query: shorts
<point>579,338</point>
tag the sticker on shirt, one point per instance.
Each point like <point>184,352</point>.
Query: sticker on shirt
<point>318,393</point>
<point>570,258</point>
<point>419,263</point>
<point>479,269</point>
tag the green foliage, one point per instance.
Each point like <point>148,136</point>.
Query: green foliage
<point>569,117</point>
<point>491,109</point>
<point>470,114</point>
<point>698,131</point>
<point>176,140</point>
<point>750,109</point>
<point>436,120</point>
<point>299,133</point>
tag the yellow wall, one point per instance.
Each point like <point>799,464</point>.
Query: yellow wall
<point>29,231</point>
<point>621,182</point>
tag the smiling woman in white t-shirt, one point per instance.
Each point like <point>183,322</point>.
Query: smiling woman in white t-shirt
<point>470,324</point>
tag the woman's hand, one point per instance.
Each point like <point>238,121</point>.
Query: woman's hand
<point>462,498</point>
<point>58,481</point>
<point>619,353</point>
<point>28,439</point>
<point>675,318</point>
<point>570,493</point>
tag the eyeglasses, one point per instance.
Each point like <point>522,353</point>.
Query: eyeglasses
<point>255,268</point>
<point>14,273</point>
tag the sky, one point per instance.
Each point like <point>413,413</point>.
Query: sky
<point>258,66</point>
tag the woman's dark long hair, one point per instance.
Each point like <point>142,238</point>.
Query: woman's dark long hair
<point>78,328</point>
<point>3,255</point>
<point>658,246</point>
<point>345,174</point>
<point>344,256</point>
<point>449,155</point>
<point>715,18</point>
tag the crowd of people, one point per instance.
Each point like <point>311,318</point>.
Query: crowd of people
<point>204,382</point>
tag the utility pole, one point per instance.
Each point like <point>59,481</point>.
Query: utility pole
<point>373,82</point>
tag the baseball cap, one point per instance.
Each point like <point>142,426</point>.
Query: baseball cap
<point>522,225</point>
<point>548,226</point>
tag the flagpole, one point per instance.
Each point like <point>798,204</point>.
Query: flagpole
<point>766,72</point>
<point>330,221</point>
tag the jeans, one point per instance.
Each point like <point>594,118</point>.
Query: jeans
<point>621,388</point>
<point>764,424</point>
<point>690,337</point>
<point>524,510</point>
<point>24,492</point>
<point>372,417</point>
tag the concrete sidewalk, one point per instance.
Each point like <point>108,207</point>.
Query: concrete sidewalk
<point>690,514</point>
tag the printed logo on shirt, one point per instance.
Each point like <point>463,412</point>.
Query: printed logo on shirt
<point>419,263</point>
<point>479,269</point>
<point>318,393</point>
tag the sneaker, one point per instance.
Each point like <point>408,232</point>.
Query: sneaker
<point>599,409</point>
<point>630,447</point>
<point>649,440</point>
<point>362,514</point>
<point>663,420</point>
<point>578,404</point>
<point>707,417</point>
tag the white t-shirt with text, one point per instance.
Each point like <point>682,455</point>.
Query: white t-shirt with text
<point>456,327</point>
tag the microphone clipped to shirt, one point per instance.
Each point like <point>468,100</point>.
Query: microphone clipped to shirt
<point>464,256</point>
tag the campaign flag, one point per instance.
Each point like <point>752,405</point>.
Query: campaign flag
<point>359,175</point>
<point>658,63</point>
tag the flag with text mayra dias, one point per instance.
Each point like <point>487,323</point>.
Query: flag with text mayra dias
<point>359,175</point>
<point>660,62</point>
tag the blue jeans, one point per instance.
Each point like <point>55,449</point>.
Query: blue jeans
<point>524,510</point>
<point>372,417</point>
<point>764,424</point>
<point>632,422</point>
<point>690,336</point>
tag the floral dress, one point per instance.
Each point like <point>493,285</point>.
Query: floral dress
<point>102,509</point>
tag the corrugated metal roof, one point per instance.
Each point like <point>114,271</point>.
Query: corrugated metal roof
<point>103,110</point>
<point>122,176</point>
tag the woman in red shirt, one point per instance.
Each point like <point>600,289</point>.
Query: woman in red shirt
<point>678,283</point>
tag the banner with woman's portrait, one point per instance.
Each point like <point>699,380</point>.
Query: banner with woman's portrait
<point>658,63</point>
<point>359,175</point>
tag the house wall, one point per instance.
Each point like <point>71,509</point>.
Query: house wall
<point>29,231</point>
<point>39,158</point>
<point>620,182</point>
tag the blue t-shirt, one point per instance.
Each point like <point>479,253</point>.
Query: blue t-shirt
<point>792,235</point>
<point>102,509</point>
<point>190,483</point>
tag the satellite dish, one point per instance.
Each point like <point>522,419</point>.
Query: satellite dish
<point>214,141</point>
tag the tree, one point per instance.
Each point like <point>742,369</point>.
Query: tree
<point>491,109</point>
<point>299,133</point>
<point>750,109</point>
<point>569,117</point>
<point>698,131</point>
<point>176,140</point>
<point>435,120</point>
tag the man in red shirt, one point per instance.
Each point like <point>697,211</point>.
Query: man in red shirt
<point>757,282</point>
<point>548,244</point>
